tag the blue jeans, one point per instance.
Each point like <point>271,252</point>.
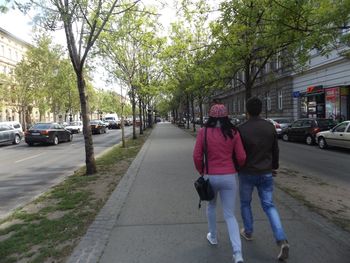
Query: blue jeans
<point>264,185</point>
<point>226,187</point>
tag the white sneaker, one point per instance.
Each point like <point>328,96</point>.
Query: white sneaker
<point>212,241</point>
<point>237,257</point>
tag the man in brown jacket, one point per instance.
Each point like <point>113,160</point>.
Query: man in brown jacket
<point>260,141</point>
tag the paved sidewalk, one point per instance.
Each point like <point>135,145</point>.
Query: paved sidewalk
<point>153,217</point>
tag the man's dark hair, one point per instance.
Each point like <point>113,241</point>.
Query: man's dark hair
<point>254,106</point>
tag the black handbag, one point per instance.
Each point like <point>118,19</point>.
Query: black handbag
<point>203,186</point>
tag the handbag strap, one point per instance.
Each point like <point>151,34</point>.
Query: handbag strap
<point>205,149</point>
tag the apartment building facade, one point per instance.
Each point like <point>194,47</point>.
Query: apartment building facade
<point>12,50</point>
<point>321,89</point>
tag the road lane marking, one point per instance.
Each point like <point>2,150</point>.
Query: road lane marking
<point>28,158</point>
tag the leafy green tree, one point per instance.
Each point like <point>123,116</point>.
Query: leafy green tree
<point>83,22</point>
<point>126,44</point>
<point>33,77</point>
<point>250,34</point>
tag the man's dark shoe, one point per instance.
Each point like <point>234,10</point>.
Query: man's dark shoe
<point>246,236</point>
<point>284,250</point>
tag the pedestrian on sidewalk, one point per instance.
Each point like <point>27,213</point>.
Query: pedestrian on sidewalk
<point>223,140</point>
<point>260,142</point>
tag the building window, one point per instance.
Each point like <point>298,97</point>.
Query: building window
<point>268,101</point>
<point>238,106</point>
<point>234,106</point>
<point>280,100</point>
<point>2,50</point>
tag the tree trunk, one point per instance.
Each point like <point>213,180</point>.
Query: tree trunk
<point>192,111</point>
<point>140,115</point>
<point>89,148</point>
<point>201,111</point>
<point>248,82</point>
<point>188,111</point>
<point>122,127</point>
<point>133,104</point>
<point>144,115</point>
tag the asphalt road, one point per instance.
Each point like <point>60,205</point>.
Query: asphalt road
<point>26,172</point>
<point>330,165</point>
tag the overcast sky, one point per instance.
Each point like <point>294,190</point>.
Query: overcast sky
<point>21,26</point>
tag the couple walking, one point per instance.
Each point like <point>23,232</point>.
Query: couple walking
<point>254,148</point>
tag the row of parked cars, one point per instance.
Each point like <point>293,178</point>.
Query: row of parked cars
<point>47,133</point>
<point>324,132</point>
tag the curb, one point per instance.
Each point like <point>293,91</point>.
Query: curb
<point>93,243</point>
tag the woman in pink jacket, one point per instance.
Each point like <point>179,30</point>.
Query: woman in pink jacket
<point>223,140</point>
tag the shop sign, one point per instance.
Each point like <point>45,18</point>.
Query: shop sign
<point>296,94</point>
<point>332,102</point>
<point>332,94</point>
<point>314,89</point>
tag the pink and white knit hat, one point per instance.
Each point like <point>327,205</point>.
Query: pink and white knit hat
<point>218,111</point>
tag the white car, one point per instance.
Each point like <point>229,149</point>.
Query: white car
<point>338,136</point>
<point>75,126</point>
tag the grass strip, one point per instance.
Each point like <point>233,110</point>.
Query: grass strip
<point>48,229</point>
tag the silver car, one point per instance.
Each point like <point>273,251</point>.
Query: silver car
<point>9,135</point>
<point>338,136</point>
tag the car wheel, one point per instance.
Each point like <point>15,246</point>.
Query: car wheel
<point>78,130</point>
<point>322,143</point>
<point>16,140</point>
<point>309,140</point>
<point>55,140</point>
<point>285,137</point>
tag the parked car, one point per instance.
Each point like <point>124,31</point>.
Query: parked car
<point>113,120</point>
<point>127,121</point>
<point>306,129</point>
<point>9,135</point>
<point>75,126</point>
<point>338,136</point>
<point>14,124</point>
<point>277,127</point>
<point>280,124</point>
<point>63,123</point>
<point>283,122</point>
<point>48,133</point>
<point>98,127</point>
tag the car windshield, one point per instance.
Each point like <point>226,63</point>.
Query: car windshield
<point>109,118</point>
<point>41,126</point>
<point>282,121</point>
<point>75,124</point>
<point>94,122</point>
<point>326,123</point>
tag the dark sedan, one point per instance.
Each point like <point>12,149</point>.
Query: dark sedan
<point>50,133</point>
<point>9,134</point>
<point>306,129</point>
<point>98,127</point>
